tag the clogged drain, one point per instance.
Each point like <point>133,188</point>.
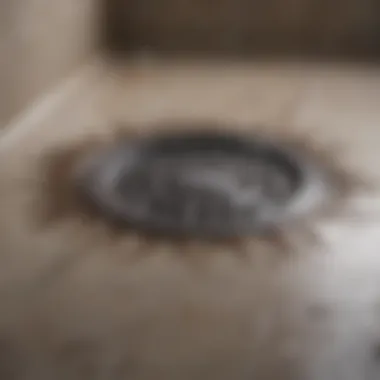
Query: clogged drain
<point>204,184</point>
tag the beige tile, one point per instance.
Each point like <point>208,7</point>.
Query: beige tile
<point>249,311</point>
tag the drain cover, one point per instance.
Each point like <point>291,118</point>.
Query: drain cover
<point>203,184</point>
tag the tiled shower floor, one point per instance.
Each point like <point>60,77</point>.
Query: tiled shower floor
<point>157,310</point>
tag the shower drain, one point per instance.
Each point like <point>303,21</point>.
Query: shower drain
<point>201,184</point>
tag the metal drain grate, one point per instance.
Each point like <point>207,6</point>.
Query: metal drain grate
<point>199,184</point>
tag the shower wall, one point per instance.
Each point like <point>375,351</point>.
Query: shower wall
<point>41,41</point>
<point>315,27</point>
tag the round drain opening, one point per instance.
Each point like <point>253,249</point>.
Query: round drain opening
<point>203,184</point>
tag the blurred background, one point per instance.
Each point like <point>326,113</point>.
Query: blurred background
<point>306,28</point>
<point>43,40</point>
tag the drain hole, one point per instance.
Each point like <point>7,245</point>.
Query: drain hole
<point>203,184</point>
